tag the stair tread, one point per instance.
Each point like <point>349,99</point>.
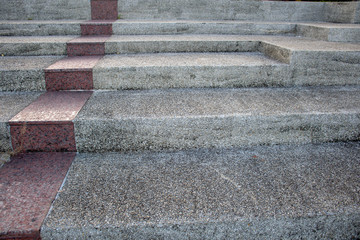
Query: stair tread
<point>11,63</point>
<point>211,194</point>
<point>221,102</point>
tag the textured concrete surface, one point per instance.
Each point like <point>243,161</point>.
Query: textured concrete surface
<point>143,27</point>
<point>24,73</point>
<point>342,12</point>
<point>180,43</point>
<point>183,70</point>
<point>10,104</point>
<point>34,46</point>
<point>330,32</point>
<point>280,192</point>
<point>44,9</point>
<point>39,28</point>
<point>28,185</point>
<point>221,9</point>
<point>208,118</point>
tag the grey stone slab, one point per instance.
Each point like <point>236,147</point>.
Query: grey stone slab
<point>183,70</point>
<point>34,45</point>
<point>11,103</point>
<point>152,27</point>
<point>121,44</point>
<point>39,28</point>
<point>44,9</point>
<point>330,32</point>
<point>213,118</point>
<point>342,12</point>
<point>24,73</point>
<point>280,192</point>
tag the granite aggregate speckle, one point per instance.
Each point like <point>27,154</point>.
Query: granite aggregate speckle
<point>273,192</point>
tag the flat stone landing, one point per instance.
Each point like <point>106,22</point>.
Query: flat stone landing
<point>307,192</point>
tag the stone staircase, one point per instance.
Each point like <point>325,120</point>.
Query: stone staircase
<point>191,120</point>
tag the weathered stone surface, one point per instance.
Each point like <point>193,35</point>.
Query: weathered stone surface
<point>264,192</point>
<point>10,104</point>
<point>215,118</point>
<point>44,9</point>
<point>188,70</point>
<point>24,73</point>
<point>342,12</point>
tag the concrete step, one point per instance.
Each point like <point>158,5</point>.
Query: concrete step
<point>216,118</point>
<point>188,70</point>
<point>279,192</point>
<point>330,31</point>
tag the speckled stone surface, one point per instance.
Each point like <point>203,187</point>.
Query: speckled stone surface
<point>28,185</point>
<point>280,192</point>
<point>46,124</point>
<point>189,70</point>
<point>213,118</point>
<point>104,9</point>
<point>34,45</point>
<point>97,27</point>
<point>87,46</point>
<point>24,73</point>
<point>12,103</point>
<point>72,73</point>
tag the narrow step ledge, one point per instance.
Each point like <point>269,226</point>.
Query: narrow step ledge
<point>216,118</point>
<point>279,192</point>
<point>189,70</point>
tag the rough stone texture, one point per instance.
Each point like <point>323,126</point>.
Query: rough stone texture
<point>316,62</point>
<point>104,9</point>
<point>186,70</point>
<point>180,43</point>
<point>28,185</point>
<point>213,118</point>
<point>281,192</point>
<point>46,124</point>
<point>221,10</point>
<point>152,27</point>
<point>97,28</point>
<point>342,12</point>
<point>87,46</point>
<point>24,73</point>
<point>34,46</point>
<point>330,32</point>
<point>10,104</point>
<point>39,28</point>
<point>44,9</point>
<point>72,73</point>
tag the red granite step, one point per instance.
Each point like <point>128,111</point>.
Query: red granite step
<point>97,27</point>
<point>46,124</point>
<point>87,46</point>
<point>72,73</point>
<point>28,185</point>
<point>104,9</point>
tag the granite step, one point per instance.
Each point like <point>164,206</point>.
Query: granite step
<point>278,192</point>
<point>216,118</point>
<point>188,70</point>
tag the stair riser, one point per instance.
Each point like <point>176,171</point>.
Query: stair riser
<point>189,77</point>
<point>112,47</point>
<point>143,28</point>
<point>332,35</point>
<point>213,132</point>
<point>39,29</point>
<point>22,80</point>
<point>33,49</point>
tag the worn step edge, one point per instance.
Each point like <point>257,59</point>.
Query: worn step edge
<point>216,118</point>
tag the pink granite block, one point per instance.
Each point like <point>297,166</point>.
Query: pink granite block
<point>28,185</point>
<point>87,46</point>
<point>46,124</point>
<point>98,27</point>
<point>104,9</point>
<point>43,136</point>
<point>72,73</point>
